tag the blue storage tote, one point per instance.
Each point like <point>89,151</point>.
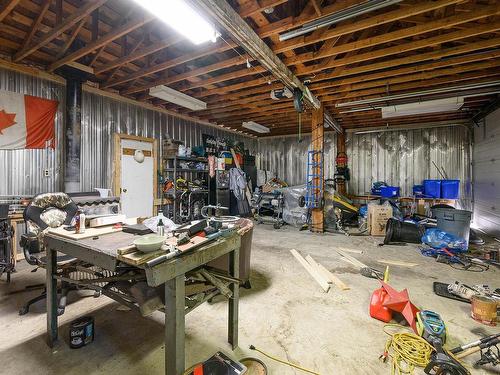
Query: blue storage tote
<point>432,188</point>
<point>450,189</point>
<point>389,191</point>
<point>418,190</point>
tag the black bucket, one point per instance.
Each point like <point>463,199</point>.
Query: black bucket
<point>81,332</point>
<point>401,232</point>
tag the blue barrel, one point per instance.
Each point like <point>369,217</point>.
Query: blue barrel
<point>450,189</point>
<point>432,188</point>
<point>389,191</point>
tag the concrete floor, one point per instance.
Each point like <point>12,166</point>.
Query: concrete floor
<point>285,313</point>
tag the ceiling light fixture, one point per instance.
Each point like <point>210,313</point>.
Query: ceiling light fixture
<point>176,97</point>
<point>345,14</point>
<point>417,108</point>
<point>182,18</point>
<point>252,125</point>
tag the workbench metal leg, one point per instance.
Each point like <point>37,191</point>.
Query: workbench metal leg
<point>234,271</point>
<point>51,285</point>
<point>174,326</point>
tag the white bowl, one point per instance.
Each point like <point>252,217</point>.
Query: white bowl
<point>149,243</point>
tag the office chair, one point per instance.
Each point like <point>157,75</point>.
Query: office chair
<point>44,211</point>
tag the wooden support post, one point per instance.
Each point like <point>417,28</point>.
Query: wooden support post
<point>317,143</point>
<point>341,188</point>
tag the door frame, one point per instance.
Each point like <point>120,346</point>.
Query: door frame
<point>117,162</point>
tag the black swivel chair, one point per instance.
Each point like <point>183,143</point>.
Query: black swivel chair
<point>47,210</point>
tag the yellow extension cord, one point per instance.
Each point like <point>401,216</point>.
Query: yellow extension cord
<point>282,361</point>
<point>407,351</point>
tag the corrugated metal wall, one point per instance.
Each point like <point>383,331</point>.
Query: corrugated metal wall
<point>22,171</point>
<point>288,157</point>
<point>400,158</point>
<point>404,158</point>
<point>486,162</point>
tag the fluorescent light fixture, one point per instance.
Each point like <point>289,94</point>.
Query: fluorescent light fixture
<point>255,127</point>
<point>176,97</point>
<point>181,17</point>
<point>345,14</point>
<point>429,106</point>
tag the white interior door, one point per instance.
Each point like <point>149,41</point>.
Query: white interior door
<point>136,178</point>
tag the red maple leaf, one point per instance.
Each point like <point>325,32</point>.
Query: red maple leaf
<point>6,120</point>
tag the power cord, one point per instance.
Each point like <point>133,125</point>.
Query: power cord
<point>283,361</point>
<point>407,351</point>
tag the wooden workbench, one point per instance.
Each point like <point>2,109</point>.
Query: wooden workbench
<point>102,252</point>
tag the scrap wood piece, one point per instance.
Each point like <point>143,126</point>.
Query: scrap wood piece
<point>330,277</point>
<point>351,259</point>
<point>312,271</point>
<point>397,263</point>
<point>353,251</point>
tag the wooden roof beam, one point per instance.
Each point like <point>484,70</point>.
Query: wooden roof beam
<point>225,15</point>
<point>447,23</point>
<point>6,7</point>
<point>58,30</point>
<point>254,7</point>
<point>102,41</point>
<point>351,27</point>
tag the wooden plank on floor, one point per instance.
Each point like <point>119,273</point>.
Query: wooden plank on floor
<point>330,277</point>
<point>351,259</point>
<point>312,271</point>
<point>396,263</point>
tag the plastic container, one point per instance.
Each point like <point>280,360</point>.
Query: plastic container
<point>453,221</point>
<point>418,190</point>
<point>450,189</point>
<point>389,191</point>
<point>432,188</point>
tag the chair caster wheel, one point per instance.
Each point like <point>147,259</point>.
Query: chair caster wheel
<point>247,285</point>
<point>60,311</point>
<point>23,310</point>
<point>97,294</point>
<point>276,226</point>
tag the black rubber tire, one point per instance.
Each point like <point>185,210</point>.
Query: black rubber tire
<point>302,201</point>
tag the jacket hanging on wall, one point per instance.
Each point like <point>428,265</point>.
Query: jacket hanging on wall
<point>26,121</point>
<point>238,185</point>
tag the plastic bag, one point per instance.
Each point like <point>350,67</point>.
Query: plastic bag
<point>293,214</point>
<point>152,223</point>
<point>439,239</point>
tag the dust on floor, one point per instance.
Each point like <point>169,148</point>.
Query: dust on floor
<point>285,313</point>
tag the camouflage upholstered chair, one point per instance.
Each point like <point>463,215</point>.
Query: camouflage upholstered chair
<point>44,211</point>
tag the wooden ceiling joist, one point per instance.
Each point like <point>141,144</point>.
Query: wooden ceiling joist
<point>102,41</point>
<point>56,32</point>
<point>6,6</point>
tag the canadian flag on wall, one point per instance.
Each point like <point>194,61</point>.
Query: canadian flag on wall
<point>26,121</point>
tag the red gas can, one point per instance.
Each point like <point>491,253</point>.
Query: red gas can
<point>377,308</point>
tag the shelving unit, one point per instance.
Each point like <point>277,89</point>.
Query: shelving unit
<point>171,169</point>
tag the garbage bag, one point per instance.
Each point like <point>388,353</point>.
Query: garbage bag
<point>439,239</point>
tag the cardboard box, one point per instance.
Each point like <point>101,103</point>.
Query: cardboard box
<point>377,219</point>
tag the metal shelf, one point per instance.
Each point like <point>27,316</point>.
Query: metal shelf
<point>186,158</point>
<point>185,170</point>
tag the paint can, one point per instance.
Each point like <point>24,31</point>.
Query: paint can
<point>81,332</point>
<point>484,310</point>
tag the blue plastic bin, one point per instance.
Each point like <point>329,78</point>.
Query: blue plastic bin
<point>432,188</point>
<point>450,189</point>
<point>418,189</point>
<point>389,191</point>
